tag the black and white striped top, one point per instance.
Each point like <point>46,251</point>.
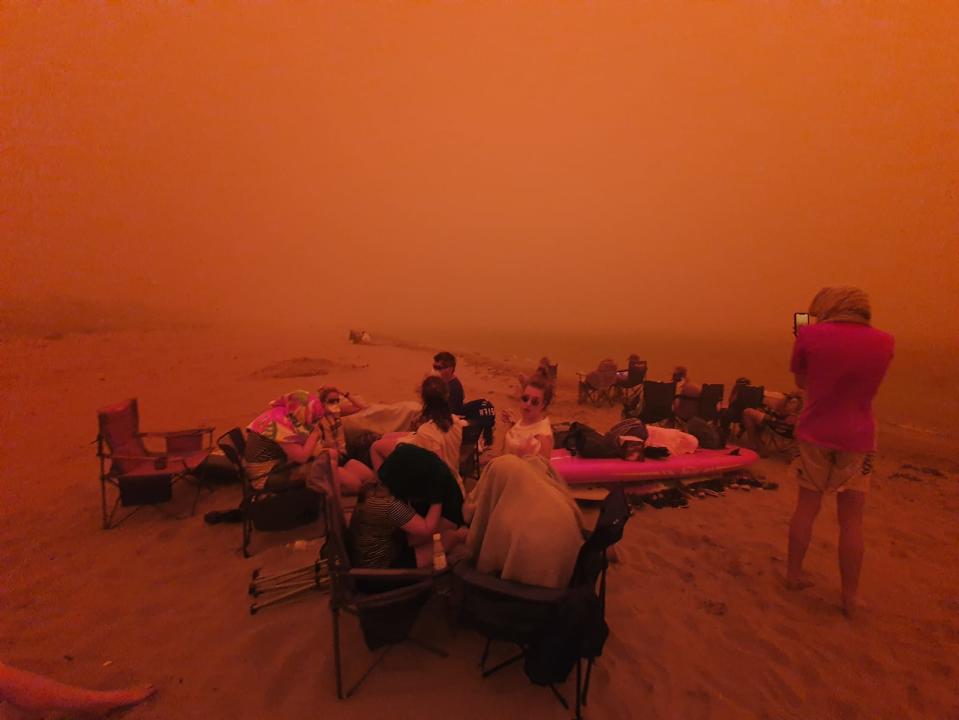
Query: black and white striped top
<point>374,528</point>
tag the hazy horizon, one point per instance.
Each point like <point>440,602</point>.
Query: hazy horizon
<point>605,167</point>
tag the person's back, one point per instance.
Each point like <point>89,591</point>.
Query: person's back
<point>843,364</point>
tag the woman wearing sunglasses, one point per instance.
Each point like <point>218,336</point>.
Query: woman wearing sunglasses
<point>524,524</point>
<point>531,432</point>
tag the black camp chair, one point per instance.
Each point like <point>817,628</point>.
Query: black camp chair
<point>538,620</point>
<point>386,602</point>
<point>470,452</point>
<point>709,399</point>
<point>658,400</point>
<point>599,386</point>
<point>266,509</point>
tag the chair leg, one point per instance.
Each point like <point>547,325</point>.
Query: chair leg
<point>337,667</point>
<point>247,532</point>
<point>559,696</point>
<point>505,663</point>
<point>589,671</point>
<point>379,659</point>
<point>482,661</point>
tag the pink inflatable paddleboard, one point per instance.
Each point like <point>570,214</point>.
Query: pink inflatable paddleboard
<point>597,471</point>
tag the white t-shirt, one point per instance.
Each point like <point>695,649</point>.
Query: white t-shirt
<point>518,435</point>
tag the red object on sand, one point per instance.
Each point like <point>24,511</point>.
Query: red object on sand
<point>603,471</point>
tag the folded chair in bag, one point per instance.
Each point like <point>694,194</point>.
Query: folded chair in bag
<point>658,400</point>
<point>599,386</point>
<point>264,509</point>
<point>141,476</point>
<point>555,629</point>
<point>386,602</point>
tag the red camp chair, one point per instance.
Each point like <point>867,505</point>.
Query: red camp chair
<point>141,476</point>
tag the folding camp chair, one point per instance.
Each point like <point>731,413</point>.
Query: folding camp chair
<point>264,509</point>
<point>599,386</point>
<point>658,400</point>
<point>709,398</point>
<point>630,387</point>
<point>141,476</point>
<point>526,616</point>
<point>386,602</point>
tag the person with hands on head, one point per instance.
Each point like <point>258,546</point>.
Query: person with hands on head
<point>350,475</point>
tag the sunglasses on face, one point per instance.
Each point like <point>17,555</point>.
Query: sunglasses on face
<point>332,401</point>
<point>440,368</point>
<point>534,401</point>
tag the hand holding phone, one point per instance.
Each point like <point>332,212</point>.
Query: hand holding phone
<point>799,320</point>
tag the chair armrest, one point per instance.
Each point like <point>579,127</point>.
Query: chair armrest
<point>168,433</point>
<point>532,593</point>
<point>392,573</point>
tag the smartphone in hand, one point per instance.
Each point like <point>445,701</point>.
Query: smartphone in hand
<point>799,320</point>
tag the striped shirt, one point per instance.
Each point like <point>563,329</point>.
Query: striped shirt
<point>377,541</point>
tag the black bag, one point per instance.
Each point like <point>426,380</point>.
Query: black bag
<point>586,442</point>
<point>285,510</point>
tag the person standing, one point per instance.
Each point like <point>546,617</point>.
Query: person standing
<point>840,360</point>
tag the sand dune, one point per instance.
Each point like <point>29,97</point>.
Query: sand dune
<point>701,624</point>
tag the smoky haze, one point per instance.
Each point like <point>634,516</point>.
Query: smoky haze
<point>412,164</point>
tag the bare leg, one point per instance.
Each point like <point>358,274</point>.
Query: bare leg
<point>849,507</point>
<point>381,449</point>
<point>30,693</point>
<point>353,476</point>
<point>800,533</point>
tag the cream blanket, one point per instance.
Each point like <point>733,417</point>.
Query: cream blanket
<point>381,419</point>
<point>525,525</point>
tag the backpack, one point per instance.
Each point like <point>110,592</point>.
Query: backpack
<point>586,442</point>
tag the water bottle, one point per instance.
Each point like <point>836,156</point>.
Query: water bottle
<point>439,555</point>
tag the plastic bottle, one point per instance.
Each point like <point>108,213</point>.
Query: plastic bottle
<point>439,555</point>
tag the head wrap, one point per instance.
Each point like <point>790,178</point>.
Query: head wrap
<point>289,417</point>
<point>841,304</point>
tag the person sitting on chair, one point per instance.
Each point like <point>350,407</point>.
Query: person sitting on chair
<point>531,433</point>
<point>437,430</point>
<point>351,474</point>
<point>374,525</point>
<point>282,441</point>
<point>780,420</point>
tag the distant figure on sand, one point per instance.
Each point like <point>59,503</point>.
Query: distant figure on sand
<point>840,361</point>
<point>30,695</point>
<point>444,366</point>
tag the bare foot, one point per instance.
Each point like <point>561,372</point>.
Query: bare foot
<point>851,607</point>
<point>110,700</point>
<point>800,583</point>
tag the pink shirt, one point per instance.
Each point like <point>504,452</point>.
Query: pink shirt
<point>843,365</point>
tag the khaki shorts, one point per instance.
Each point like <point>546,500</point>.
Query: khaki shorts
<point>824,470</point>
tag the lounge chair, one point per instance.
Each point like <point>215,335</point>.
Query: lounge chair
<point>709,399</point>
<point>741,397</point>
<point>141,476</point>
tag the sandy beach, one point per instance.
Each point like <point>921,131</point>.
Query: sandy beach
<point>701,626</point>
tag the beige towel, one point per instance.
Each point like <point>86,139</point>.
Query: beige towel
<point>525,524</point>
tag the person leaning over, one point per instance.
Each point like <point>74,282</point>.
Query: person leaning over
<point>840,360</point>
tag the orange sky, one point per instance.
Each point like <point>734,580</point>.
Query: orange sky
<point>661,161</point>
